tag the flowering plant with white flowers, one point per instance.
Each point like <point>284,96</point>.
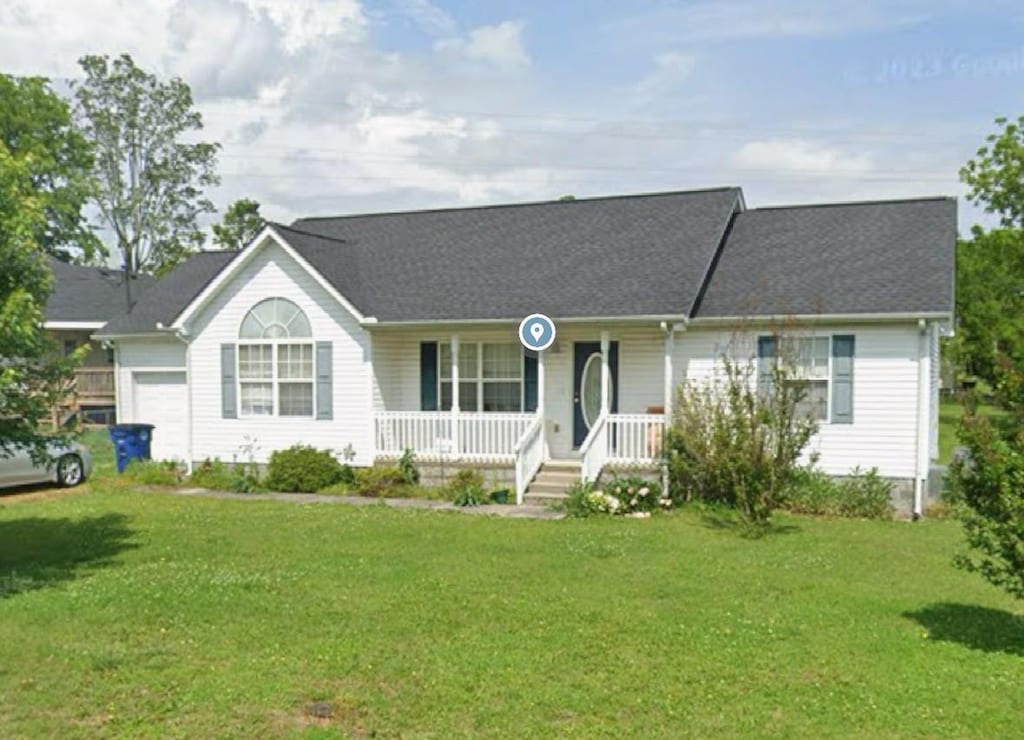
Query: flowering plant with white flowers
<point>634,494</point>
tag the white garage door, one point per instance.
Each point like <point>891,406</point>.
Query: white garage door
<point>161,400</point>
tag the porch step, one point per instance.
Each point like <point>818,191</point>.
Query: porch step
<point>552,481</point>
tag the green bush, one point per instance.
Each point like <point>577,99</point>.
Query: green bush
<point>384,481</point>
<point>466,488</point>
<point>212,474</point>
<point>580,501</point>
<point>218,476</point>
<point>154,473</point>
<point>302,468</point>
<point>864,495</point>
<point>634,494</point>
<point>731,442</point>
<point>407,464</point>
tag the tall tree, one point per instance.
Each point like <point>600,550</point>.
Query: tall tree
<point>150,182</point>
<point>989,301</point>
<point>33,379</point>
<point>242,222</point>
<point>37,129</point>
<point>996,176</point>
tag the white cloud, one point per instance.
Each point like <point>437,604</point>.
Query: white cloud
<point>672,69</point>
<point>500,45</point>
<point>799,156</point>
<point>304,22</point>
<point>427,16</point>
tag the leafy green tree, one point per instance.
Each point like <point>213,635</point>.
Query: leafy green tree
<point>996,176</point>
<point>33,380</point>
<point>987,486</point>
<point>37,129</point>
<point>150,182</point>
<point>989,300</point>
<point>242,222</point>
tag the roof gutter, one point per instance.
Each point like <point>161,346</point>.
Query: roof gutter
<point>428,323</point>
<point>820,318</point>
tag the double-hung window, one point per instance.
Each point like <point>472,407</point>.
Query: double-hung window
<point>490,376</point>
<point>275,360</point>
<point>808,360</point>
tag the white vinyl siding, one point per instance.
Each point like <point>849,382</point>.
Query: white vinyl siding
<point>885,395</point>
<point>272,273</point>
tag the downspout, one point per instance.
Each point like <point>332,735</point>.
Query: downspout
<point>921,427</point>
<point>669,330</point>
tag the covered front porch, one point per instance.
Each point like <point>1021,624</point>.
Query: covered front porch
<point>598,396</point>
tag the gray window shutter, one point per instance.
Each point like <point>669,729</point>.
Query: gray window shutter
<point>228,389</point>
<point>324,381</point>
<point>842,379</point>
<point>765,364</point>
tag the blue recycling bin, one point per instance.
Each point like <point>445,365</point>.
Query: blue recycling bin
<point>131,442</point>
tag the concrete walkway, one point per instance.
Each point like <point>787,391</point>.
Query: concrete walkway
<point>526,511</point>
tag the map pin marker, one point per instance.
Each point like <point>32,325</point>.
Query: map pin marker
<point>536,329</point>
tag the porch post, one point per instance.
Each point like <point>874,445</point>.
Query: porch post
<point>540,383</point>
<point>456,440</point>
<point>670,344</point>
<point>605,375</point>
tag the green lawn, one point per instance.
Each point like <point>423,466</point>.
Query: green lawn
<point>132,614</point>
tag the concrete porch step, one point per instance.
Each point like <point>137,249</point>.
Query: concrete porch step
<point>552,481</point>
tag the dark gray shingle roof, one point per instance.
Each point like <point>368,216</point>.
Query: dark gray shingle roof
<point>170,295</point>
<point>875,257</point>
<point>621,256</point>
<point>89,293</point>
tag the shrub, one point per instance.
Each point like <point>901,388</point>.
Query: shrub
<point>466,488</point>
<point>986,486</point>
<point>218,476</point>
<point>302,468</point>
<point>384,481</point>
<point>154,472</point>
<point>634,494</point>
<point>731,442</point>
<point>212,474</point>
<point>407,464</point>
<point>628,495</point>
<point>864,495</point>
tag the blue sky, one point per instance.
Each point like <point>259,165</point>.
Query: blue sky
<point>341,106</point>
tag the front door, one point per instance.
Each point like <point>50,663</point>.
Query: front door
<point>586,386</point>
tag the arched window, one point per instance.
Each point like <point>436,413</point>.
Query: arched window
<point>275,360</point>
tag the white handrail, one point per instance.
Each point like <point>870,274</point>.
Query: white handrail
<point>635,438</point>
<point>594,450</point>
<point>529,453</point>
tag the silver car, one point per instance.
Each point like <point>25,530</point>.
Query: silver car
<point>72,464</point>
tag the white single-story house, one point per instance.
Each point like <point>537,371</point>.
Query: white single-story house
<point>373,334</point>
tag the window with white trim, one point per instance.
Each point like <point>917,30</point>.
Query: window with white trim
<point>490,376</point>
<point>275,360</point>
<point>808,359</point>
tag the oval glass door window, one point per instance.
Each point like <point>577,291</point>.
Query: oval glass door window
<point>590,390</point>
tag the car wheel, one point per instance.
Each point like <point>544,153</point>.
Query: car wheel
<point>70,471</point>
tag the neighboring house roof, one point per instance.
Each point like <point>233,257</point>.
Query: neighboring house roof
<point>166,299</point>
<point>628,255</point>
<point>89,295</point>
<point>694,254</point>
<point>844,258</point>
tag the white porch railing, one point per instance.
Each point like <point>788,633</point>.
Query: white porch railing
<point>480,437</point>
<point>624,439</point>
<point>529,454</point>
<point>635,438</point>
<point>594,450</point>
